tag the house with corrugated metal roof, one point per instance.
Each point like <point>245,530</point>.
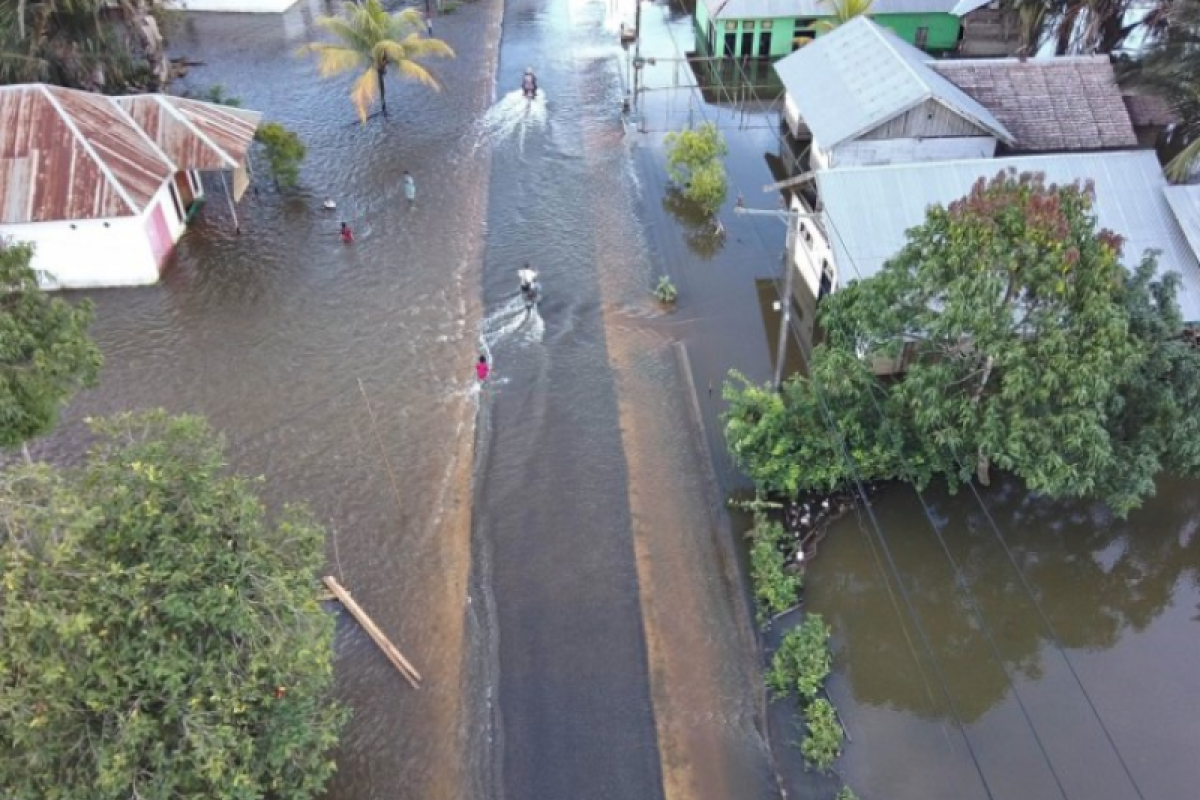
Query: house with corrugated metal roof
<point>103,187</point>
<point>866,211</point>
<point>863,96</point>
<point>773,28</point>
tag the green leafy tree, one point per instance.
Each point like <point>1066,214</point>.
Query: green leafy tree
<point>162,635</point>
<point>376,42</point>
<point>1026,341</point>
<point>46,354</point>
<point>284,152</point>
<point>775,589</point>
<point>694,162</point>
<point>823,738</point>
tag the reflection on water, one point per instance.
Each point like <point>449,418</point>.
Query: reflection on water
<point>1109,588</point>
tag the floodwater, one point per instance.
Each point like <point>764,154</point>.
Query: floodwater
<point>1094,699</point>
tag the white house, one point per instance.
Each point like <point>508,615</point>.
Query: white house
<point>865,212</point>
<point>103,187</point>
<point>247,6</point>
<point>867,97</point>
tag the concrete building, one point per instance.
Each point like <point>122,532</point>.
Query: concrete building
<point>103,187</point>
<point>774,28</point>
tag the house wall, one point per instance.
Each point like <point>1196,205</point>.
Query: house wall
<point>905,151</point>
<point>930,118</point>
<point>250,6</point>
<point>89,253</point>
<point>96,253</point>
<point>811,252</point>
<point>940,31</point>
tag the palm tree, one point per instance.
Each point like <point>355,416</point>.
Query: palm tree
<point>842,11</point>
<point>371,39</point>
<point>1170,69</point>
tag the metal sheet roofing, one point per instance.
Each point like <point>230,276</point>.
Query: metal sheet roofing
<point>1185,205</point>
<point>964,7</point>
<point>860,76</point>
<point>194,134</point>
<point>868,209</point>
<point>66,155</point>
<point>781,9</point>
<point>1064,103</point>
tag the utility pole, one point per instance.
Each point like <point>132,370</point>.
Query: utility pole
<point>637,49</point>
<point>792,220</point>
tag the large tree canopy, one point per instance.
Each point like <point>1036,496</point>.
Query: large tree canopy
<point>162,637</point>
<point>46,354</point>
<point>1029,347</point>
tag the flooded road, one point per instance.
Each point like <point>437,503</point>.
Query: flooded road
<point>268,334</point>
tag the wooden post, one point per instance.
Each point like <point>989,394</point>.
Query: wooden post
<point>237,228</point>
<point>398,660</point>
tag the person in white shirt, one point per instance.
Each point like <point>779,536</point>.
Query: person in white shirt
<point>529,286</point>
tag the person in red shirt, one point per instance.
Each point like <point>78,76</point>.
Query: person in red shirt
<point>482,369</point>
<point>347,234</point>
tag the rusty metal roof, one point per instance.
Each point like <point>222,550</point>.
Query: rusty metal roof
<point>67,154</point>
<point>194,134</point>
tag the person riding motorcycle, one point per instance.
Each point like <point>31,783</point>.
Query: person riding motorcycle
<point>529,83</point>
<point>529,287</point>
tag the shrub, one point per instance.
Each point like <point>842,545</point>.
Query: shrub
<point>694,163</point>
<point>665,291</point>
<point>846,793</point>
<point>802,661</point>
<point>775,589</point>
<point>823,740</point>
<point>284,152</point>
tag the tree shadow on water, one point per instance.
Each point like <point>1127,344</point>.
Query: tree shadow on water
<point>1097,578</point>
<point>702,233</point>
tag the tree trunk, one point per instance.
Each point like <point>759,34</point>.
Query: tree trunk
<point>982,466</point>
<point>21,18</point>
<point>381,71</point>
<point>1066,27</point>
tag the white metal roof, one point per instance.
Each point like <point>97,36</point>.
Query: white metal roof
<point>964,7</point>
<point>1185,205</point>
<point>859,76</point>
<point>786,9</point>
<point>867,210</point>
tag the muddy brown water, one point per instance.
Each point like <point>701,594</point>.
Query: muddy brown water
<point>596,647</point>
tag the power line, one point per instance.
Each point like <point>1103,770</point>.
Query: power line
<point>831,424</point>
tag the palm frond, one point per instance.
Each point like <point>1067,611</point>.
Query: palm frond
<point>364,92</point>
<point>333,59</point>
<point>414,71</point>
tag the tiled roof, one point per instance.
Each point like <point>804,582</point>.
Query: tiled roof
<point>1149,111</point>
<point>871,208</point>
<point>859,76</point>
<point>1048,104</point>
<point>66,154</point>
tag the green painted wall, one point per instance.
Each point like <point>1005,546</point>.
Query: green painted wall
<point>941,36</point>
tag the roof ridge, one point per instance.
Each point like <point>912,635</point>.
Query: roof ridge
<point>87,147</point>
<point>1001,162</point>
<point>142,132</point>
<point>162,100</point>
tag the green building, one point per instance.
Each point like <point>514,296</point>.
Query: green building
<point>771,29</point>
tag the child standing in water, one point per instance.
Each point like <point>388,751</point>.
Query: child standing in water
<point>482,369</point>
<point>410,189</point>
<point>347,234</point>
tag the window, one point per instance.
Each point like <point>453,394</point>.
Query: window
<point>922,38</point>
<point>730,26</point>
<point>765,24</point>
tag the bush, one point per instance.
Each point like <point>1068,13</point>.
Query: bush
<point>284,152</point>
<point>775,589</point>
<point>846,793</point>
<point>823,741</point>
<point>694,163</point>
<point>802,661</point>
<point>665,291</point>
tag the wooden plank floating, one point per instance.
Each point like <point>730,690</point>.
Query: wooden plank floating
<point>395,656</point>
